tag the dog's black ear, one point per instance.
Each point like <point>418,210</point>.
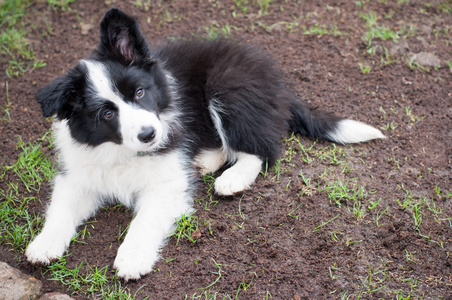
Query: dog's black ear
<point>121,37</point>
<point>54,98</point>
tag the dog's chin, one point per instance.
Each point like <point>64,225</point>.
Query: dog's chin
<point>145,149</point>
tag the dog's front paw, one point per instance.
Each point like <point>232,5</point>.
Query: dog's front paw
<point>44,249</point>
<point>132,262</point>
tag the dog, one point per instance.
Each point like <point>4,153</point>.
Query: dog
<point>133,123</point>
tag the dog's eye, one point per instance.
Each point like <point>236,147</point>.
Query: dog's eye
<point>107,115</point>
<point>139,93</point>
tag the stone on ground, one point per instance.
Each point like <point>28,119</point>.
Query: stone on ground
<point>55,296</point>
<point>427,59</point>
<point>15,285</point>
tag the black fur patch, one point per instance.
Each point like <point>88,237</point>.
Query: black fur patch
<point>252,101</point>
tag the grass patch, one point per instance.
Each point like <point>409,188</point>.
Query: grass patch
<point>339,191</point>
<point>325,223</point>
<point>95,282</point>
<point>349,192</point>
<point>32,168</point>
<point>13,42</point>
<point>208,201</point>
<point>17,225</point>
<point>209,295</point>
<point>318,29</point>
<point>375,31</point>
<point>188,227</point>
<point>422,207</point>
<point>246,6</point>
<point>289,27</point>
<point>215,32</point>
<point>219,274</point>
<point>7,107</point>
<point>60,4</point>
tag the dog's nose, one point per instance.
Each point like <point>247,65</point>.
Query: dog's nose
<point>147,135</point>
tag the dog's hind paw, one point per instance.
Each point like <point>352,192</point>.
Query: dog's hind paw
<point>240,176</point>
<point>229,184</point>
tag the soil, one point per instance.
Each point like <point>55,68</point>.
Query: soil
<point>286,238</point>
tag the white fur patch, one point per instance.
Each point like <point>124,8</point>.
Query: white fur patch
<point>240,176</point>
<point>156,186</point>
<point>215,108</point>
<point>70,205</point>
<point>162,199</point>
<point>210,161</point>
<point>350,131</point>
<point>170,118</point>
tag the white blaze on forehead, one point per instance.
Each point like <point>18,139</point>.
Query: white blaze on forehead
<point>99,78</point>
<point>132,118</point>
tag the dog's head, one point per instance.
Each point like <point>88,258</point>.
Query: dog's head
<point>118,94</point>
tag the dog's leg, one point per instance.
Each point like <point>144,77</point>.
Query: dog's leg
<point>158,206</point>
<point>240,176</point>
<point>152,224</point>
<point>69,207</point>
<point>209,161</point>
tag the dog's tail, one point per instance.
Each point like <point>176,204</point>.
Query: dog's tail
<point>329,127</point>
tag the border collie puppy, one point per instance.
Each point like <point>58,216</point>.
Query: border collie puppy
<point>132,123</point>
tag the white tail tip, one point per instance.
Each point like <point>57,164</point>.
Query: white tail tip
<point>350,131</point>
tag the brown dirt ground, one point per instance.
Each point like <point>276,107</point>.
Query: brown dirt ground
<point>268,240</point>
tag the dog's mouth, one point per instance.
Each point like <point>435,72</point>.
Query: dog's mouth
<point>144,153</point>
<point>149,148</point>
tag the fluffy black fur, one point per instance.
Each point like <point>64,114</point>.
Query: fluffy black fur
<point>254,104</point>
